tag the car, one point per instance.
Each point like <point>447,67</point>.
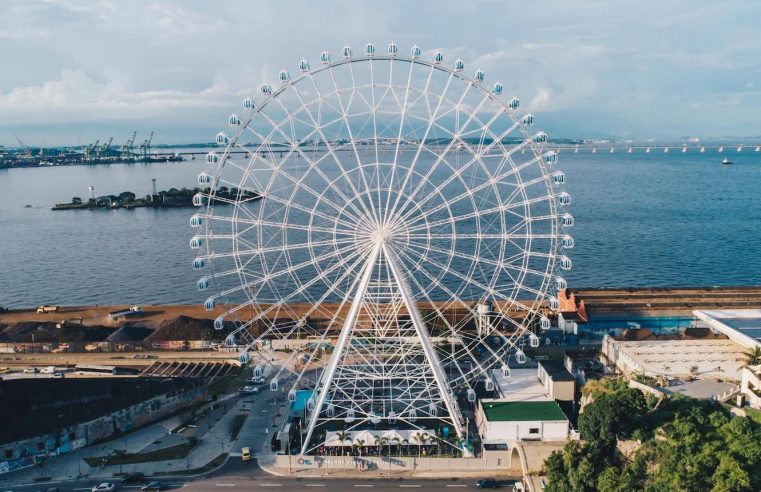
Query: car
<point>136,477</point>
<point>487,483</point>
<point>58,375</point>
<point>48,370</point>
<point>249,389</point>
<point>136,309</point>
<point>104,487</point>
<point>31,370</point>
<point>157,486</point>
<point>245,454</point>
<point>255,380</point>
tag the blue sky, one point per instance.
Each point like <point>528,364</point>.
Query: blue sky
<point>75,71</point>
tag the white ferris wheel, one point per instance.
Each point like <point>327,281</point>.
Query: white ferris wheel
<point>392,222</point>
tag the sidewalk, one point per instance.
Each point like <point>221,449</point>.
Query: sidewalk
<point>213,433</point>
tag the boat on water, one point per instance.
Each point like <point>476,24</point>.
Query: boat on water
<point>726,161</point>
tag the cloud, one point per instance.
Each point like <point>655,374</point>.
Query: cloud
<point>156,60</point>
<point>541,100</point>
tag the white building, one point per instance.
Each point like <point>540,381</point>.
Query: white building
<point>525,410</point>
<point>502,421</point>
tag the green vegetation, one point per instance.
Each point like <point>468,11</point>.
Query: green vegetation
<point>210,466</point>
<point>686,445</point>
<point>119,457</point>
<point>237,424</point>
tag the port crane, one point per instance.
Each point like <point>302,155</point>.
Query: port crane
<point>90,150</point>
<point>103,150</point>
<point>27,151</point>
<point>145,148</point>
<point>127,151</point>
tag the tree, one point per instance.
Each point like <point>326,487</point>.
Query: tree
<point>730,476</point>
<point>610,414</point>
<point>343,436</point>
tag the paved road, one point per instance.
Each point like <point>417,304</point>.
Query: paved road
<point>236,474</point>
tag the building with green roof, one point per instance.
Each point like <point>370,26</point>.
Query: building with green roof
<point>505,421</point>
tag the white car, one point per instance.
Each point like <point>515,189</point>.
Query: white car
<point>31,370</point>
<point>249,389</point>
<point>48,370</point>
<point>255,380</point>
<point>104,487</point>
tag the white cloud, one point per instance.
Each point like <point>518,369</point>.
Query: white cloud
<point>542,100</point>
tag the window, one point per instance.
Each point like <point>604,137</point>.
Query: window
<point>533,430</point>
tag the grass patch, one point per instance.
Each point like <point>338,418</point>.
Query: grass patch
<point>753,414</point>
<point>237,424</point>
<point>176,452</point>
<point>211,465</point>
<point>229,383</point>
<point>553,353</point>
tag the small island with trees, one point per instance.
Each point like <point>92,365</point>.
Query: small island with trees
<point>170,198</point>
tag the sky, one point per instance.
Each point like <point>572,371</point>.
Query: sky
<point>75,71</point>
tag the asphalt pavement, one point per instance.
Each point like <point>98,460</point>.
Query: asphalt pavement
<point>246,475</point>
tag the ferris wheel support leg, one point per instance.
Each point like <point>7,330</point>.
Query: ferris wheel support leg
<point>327,375</point>
<point>425,341</point>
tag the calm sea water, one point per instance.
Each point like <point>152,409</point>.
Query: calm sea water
<point>641,220</point>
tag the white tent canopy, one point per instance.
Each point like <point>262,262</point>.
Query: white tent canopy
<point>408,437</point>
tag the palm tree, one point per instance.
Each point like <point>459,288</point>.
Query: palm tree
<point>420,437</point>
<point>397,441</point>
<point>406,443</point>
<point>343,437</point>
<point>361,445</point>
<point>753,357</point>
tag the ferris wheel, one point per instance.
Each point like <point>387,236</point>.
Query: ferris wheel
<point>393,226</point>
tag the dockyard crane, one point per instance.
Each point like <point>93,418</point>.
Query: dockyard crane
<point>127,150</point>
<point>145,147</point>
<point>103,150</point>
<point>90,151</point>
<point>27,150</point>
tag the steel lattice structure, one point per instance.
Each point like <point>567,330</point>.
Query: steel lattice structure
<point>395,209</point>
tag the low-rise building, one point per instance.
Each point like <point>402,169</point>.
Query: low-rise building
<point>510,421</point>
<point>557,381</point>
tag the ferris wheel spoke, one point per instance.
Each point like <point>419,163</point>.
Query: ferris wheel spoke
<point>399,136</point>
<point>483,287</point>
<point>514,170</point>
<point>295,146</point>
<point>504,264</point>
<point>298,291</point>
<point>349,131</point>
<point>423,139</point>
<point>315,307</point>
<point>329,146</point>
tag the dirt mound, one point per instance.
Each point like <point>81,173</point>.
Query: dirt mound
<point>46,332</point>
<point>637,334</point>
<point>187,328</point>
<point>130,333</point>
<point>702,333</point>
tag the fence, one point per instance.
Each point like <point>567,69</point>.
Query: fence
<point>107,347</point>
<point>398,464</point>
